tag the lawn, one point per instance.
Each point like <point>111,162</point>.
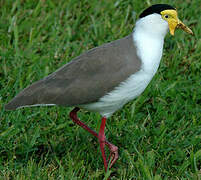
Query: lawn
<point>158,134</point>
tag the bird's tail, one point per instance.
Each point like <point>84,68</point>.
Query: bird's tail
<point>28,97</point>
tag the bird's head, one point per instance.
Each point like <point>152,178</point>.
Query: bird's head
<point>166,13</point>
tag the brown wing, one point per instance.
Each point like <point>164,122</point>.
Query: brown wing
<point>85,79</point>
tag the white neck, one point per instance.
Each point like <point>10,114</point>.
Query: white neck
<point>148,36</point>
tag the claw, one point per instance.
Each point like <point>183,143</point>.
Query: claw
<point>113,153</point>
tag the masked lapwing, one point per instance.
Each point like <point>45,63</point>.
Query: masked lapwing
<point>105,78</point>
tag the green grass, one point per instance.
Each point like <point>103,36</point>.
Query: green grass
<point>158,134</point>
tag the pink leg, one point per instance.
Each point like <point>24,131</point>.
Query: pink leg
<point>101,136</point>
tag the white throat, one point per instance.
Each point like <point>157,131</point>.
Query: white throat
<point>148,36</point>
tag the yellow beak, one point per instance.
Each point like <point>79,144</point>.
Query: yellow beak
<point>173,24</point>
<point>181,25</point>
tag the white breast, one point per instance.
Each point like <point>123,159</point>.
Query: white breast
<point>149,49</point>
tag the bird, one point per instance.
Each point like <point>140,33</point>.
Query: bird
<point>105,78</point>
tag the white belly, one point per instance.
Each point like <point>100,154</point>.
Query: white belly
<point>122,94</point>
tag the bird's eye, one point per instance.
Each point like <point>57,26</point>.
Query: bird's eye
<point>166,16</point>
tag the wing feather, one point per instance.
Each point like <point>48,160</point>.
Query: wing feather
<point>85,79</point>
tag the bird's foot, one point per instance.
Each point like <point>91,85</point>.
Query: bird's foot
<point>113,153</point>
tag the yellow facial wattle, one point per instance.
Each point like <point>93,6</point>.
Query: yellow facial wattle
<point>173,21</point>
